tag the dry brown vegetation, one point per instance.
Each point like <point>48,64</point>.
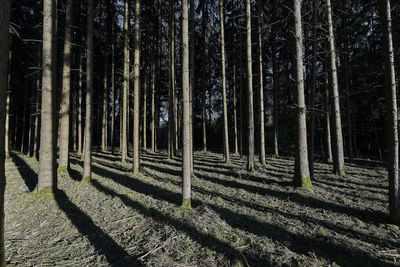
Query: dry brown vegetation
<point>237,217</point>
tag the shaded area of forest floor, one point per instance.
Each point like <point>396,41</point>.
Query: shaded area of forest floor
<point>253,219</point>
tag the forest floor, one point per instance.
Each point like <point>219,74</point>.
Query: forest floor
<point>238,218</point>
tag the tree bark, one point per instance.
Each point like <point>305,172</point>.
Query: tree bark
<point>302,173</point>
<point>66,92</point>
<point>203,73</point>
<point>391,103</point>
<point>80,121</point>
<point>136,93</point>
<point>192,82</point>
<point>327,118</point>
<point>186,187</point>
<point>224,104</point>
<point>275,97</point>
<point>153,128</point>
<point>125,97</point>
<point>144,112</point>
<point>87,164</point>
<point>171,104</point>
<point>338,156</point>
<point>250,163</point>
<point>261,83</point>
<point>8,92</point>
<point>4,56</point>
<point>47,179</point>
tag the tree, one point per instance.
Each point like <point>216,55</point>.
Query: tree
<point>171,102</point>
<point>250,163</point>
<point>87,163</point>
<point>203,73</point>
<point>224,104</point>
<point>338,155</point>
<point>136,91</point>
<point>125,97</point>
<point>186,187</point>
<point>301,172</point>
<point>261,83</point>
<point>391,105</point>
<point>65,93</point>
<point>4,51</point>
<point>47,179</point>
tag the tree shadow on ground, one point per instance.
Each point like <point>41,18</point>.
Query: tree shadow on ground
<point>296,242</point>
<point>102,242</point>
<point>28,175</point>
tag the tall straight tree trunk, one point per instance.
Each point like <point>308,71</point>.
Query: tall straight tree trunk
<point>338,155</point>
<point>302,172</point>
<point>47,179</point>
<point>313,88</point>
<point>125,97</point>
<point>192,77</point>
<point>203,73</point>
<point>80,121</point>
<point>347,82</point>
<point>275,89</point>
<point>391,102</point>
<point>153,128</point>
<point>66,91</point>
<point>144,112</point>
<point>105,101</point>
<point>235,109</point>
<point>136,92</point>
<point>171,104</point>
<point>8,100</point>
<point>250,163</point>
<point>112,126</point>
<point>241,96</point>
<point>186,187</point>
<point>261,83</point>
<point>87,163</point>
<point>4,55</point>
<point>224,104</point>
<point>327,118</point>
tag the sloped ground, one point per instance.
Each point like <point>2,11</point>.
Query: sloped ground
<point>247,219</point>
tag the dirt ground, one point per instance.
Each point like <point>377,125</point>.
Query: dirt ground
<point>238,218</point>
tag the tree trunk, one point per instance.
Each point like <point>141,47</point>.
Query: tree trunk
<point>347,81</point>
<point>4,56</point>
<point>153,128</point>
<point>224,104</point>
<point>235,109</point>
<point>87,164</point>
<point>313,88</point>
<point>171,104</point>
<point>125,97</point>
<point>261,84</point>
<point>302,172</point>
<point>338,156</point>
<point>391,102</point>
<point>47,179</point>
<point>250,163</point>
<point>203,73</point>
<point>8,101</point>
<point>186,187</point>
<point>66,91</point>
<point>275,97</point>
<point>136,93</point>
<point>144,112</point>
<point>192,82</point>
<point>327,118</point>
<point>105,105</point>
<point>112,126</point>
<point>80,121</point>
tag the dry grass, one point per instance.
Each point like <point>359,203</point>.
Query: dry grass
<point>254,219</point>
